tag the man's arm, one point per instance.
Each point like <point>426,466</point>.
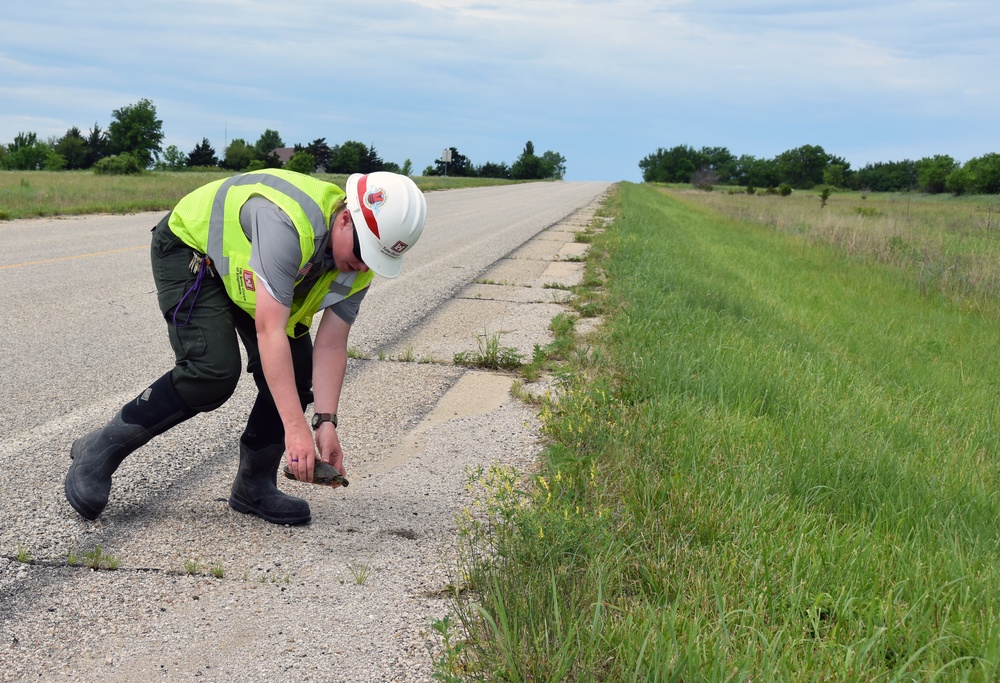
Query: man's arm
<point>276,359</point>
<point>329,366</point>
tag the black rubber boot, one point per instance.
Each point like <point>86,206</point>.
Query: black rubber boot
<point>255,491</point>
<point>98,454</point>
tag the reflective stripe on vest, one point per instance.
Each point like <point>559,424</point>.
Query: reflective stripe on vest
<point>217,219</point>
<point>199,220</point>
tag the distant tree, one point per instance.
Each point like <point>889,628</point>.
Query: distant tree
<point>239,154</point>
<point>272,160</point>
<point>803,166</point>
<point>528,166</point>
<point>749,171</point>
<point>892,176</point>
<point>302,162</point>
<point>494,170</point>
<point>136,130</point>
<point>407,167</point>
<point>354,157</point>
<point>22,140</point>
<point>97,146</point>
<point>269,141</point>
<point>983,174</point>
<point>834,160</point>
<point>835,175</point>
<point>371,161</point>
<point>674,165</point>
<point>26,153</point>
<point>202,155</point>
<point>390,166</point>
<point>346,157</point>
<point>720,160</point>
<point>320,152</point>
<point>173,159</point>
<point>957,181</point>
<point>73,148</point>
<point>933,172</point>
<point>460,166</point>
<point>553,165</point>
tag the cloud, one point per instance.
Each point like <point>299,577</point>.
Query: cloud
<point>598,81</point>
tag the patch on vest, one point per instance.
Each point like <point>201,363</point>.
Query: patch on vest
<point>248,280</point>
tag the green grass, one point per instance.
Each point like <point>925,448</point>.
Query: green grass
<point>491,354</point>
<point>781,465</point>
<point>947,244</point>
<point>98,559</point>
<point>27,194</point>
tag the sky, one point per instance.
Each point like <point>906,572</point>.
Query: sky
<point>604,83</point>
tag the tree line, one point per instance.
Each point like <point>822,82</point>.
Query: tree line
<point>811,166</point>
<point>133,142</point>
<point>527,166</point>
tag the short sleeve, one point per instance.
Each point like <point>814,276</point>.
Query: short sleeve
<point>347,309</point>
<point>275,252</point>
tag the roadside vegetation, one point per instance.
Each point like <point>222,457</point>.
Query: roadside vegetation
<point>811,166</point>
<point>776,459</point>
<point>28,194</point>
<point>133,144</point>
<point>947,245</point>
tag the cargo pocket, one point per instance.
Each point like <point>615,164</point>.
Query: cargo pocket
<point>188,342</point>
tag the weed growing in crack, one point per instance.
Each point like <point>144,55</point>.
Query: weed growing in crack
<point>491,355</point>
<point>97,559</point>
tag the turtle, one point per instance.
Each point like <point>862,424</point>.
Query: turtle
<point>324,474</point>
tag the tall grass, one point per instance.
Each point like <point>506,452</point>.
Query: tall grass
<point>947,244</point>
<point>26,194</point>
<point>778,464</point>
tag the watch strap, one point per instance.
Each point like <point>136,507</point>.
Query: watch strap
<point>320,418</point>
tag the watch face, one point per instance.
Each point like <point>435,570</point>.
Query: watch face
<point>320,418</point>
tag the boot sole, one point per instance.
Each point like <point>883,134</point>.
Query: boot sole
<point>293,520</point>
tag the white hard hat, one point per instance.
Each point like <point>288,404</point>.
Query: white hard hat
<point>388,212</point>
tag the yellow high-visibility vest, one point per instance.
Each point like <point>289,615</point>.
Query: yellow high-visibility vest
<point>208,221</point>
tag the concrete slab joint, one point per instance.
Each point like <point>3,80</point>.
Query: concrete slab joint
<point>514,300</point>
<point>361,584</point>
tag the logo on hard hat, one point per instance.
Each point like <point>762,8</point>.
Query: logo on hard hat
<point>400,247</point>
<point>375,198</point>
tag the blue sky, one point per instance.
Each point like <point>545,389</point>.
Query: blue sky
<point>604,83</point>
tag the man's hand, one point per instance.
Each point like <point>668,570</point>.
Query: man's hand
<point>300,452</point>
<point>328,444</point>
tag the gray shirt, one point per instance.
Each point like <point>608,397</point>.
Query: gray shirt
<point>275,254</point>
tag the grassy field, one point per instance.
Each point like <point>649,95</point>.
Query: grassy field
<point>948,244</point>
<point>776,461</point>
<point>27,194</point>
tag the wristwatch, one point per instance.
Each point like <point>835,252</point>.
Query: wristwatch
<point>320,418</point>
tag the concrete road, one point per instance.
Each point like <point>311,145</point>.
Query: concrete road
<point>349,597</point>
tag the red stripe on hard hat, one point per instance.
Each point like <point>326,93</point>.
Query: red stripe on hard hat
<point>365,211</point>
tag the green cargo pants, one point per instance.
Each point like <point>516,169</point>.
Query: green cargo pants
<point>203,333</point>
